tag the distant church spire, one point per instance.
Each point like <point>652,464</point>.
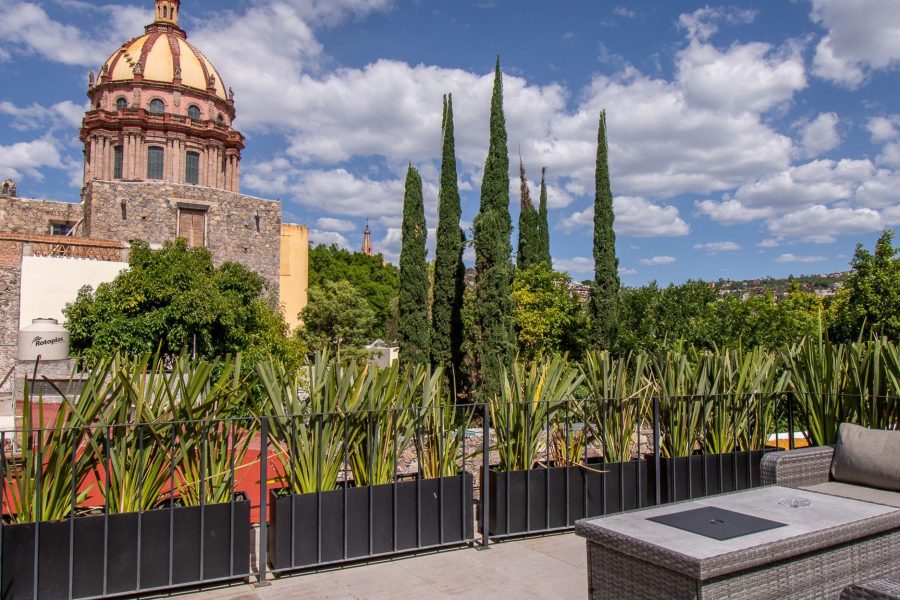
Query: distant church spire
<point>367,241</point>
<point>167,11</point>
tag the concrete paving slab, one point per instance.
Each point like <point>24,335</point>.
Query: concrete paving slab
<point>537,568</point>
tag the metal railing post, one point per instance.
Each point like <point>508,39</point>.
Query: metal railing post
<point>262,558</point>
<point>485,478</point>
<point>790,416</point>
<point>656,462</point>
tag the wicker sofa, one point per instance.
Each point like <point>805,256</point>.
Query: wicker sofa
<point>813,469</point>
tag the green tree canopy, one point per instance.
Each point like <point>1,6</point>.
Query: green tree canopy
<point>605,293</point>
<point>530,250</point>
<point>174,299</point>
<point>870,301</point>
<point>336,316</point>
<point>377,282</point>
<point>549,317</point>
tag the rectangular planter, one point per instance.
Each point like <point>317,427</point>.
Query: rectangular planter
<point>686,477</point>
<point>356,522</point>
<point>551,498</point>
<point>137,553</point>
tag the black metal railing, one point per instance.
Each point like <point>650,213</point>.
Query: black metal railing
<point>112,510</point>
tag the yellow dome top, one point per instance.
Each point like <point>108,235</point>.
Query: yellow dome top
<point>163,54</point>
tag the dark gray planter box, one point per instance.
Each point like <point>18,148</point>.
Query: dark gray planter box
<point>130,566</point>
<point>552,498</point>
<point>699,475</point>
<point>356,522</point>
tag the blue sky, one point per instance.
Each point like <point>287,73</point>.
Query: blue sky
<point>746,139</point>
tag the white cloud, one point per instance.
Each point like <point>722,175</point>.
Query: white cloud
<point>658,260</point>
<point>335,224</point>
<point>576,264</point>
<point>890,154</point>
<point>863,35</point>
<point>703,23</point>
<point>823,221</point>
<point>624,12</point>
<point>746,77</point>
<point>770,243</point>
<point>36,116</point>
<point>26,158</point>
<point>793,258</point>
<point>731,212</point>
<point>634,216</point>
<point>716,247</point>
<point>884,129</point>
<point>317,237</point>
<point>816,182</point>
<point>820,135</point>
<point>627,271</point>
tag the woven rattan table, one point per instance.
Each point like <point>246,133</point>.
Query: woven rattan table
<point>824,547</point>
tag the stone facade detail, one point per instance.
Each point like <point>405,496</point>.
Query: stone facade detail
<point>239,228</point>
<point>21,215</point>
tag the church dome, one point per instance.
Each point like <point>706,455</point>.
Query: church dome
<point>164,56</point>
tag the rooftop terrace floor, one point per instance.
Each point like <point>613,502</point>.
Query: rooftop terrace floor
<point>534,568</point>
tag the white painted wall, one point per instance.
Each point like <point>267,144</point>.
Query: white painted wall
<point>48,283</point>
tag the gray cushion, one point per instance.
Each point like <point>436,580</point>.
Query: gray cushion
<point>867,457</point>
<point>857,492</point>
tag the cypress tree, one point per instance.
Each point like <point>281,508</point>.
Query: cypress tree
<point>449,271</point>
<point>605,293</point>
<point>413,327</point>
<point>543,226</point>
<point>495,343</point>
<point>529,226</point>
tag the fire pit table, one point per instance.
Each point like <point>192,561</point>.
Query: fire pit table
<point>770,542</point>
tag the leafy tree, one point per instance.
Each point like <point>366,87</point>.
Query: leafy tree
<point>869,303</point>
<point>492,229</point>
<point>337,316</point>
<point>449,270</point>
<point>174,299</point>
<point>549,317</point>
<point>375,281</point>
<point>543,223</point>
<point>530,240</point>
<point>605,293</point>
<point>414,327</point>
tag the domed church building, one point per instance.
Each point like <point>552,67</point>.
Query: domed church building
<point>161,161</point>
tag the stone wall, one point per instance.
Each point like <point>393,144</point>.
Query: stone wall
<point>23,215</point>
<point>10,277</point>
<point>239,228</point>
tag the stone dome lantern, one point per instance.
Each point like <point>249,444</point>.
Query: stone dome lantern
<point>161,111</point>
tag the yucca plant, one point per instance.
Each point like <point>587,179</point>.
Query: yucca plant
<point>309,424</point>
<point>530,396</point>
<point>382,423</point>
<point>890,403</point>
<point>440,428</point>
<point>870,368</point>
<point>618,392</point>
<point>684,382</point>
<point>47,479</point>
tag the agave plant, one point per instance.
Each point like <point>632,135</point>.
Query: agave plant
<point>618,392</point>
<point>818,376</point>
<point>440,428</point>
<point>208,448</point>
<point>741,413</point>
<point>309,428</point>
<point>47,480</point>
<point>871,371</point>
<point>382,422</point>
<point>684,381</point>
<point>529,399</point>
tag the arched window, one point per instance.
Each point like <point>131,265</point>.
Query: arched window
<point>155,158</point>
<point>192,168</point>
<point>118,159</point>
<point>157,106</point>
<point>194,112</point>
<point>121,103</point>
<point>220,119</point>
<point>165,12</point>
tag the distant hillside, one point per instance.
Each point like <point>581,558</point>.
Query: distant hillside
<point>821,285</point>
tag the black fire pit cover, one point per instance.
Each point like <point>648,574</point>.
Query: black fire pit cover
<point>716,523</point>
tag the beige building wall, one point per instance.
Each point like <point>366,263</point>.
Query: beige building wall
<point>294,271</point>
